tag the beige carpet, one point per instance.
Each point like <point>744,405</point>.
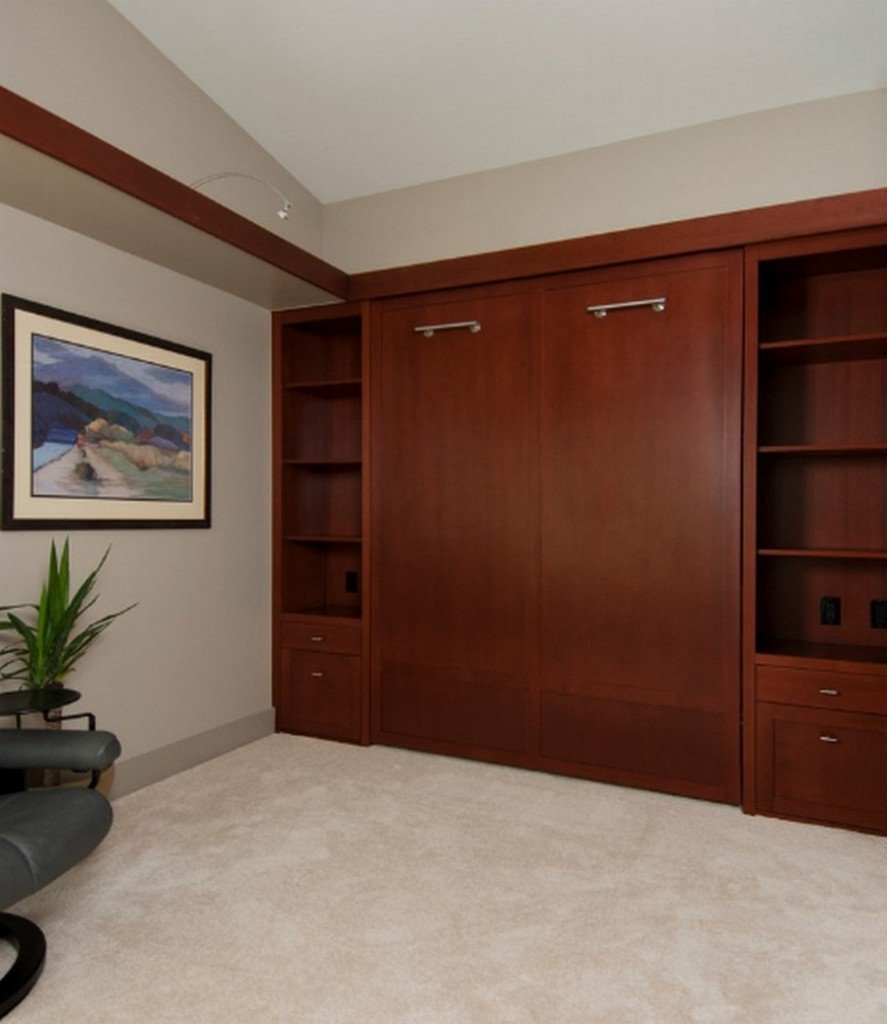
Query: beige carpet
<point>310,882</point>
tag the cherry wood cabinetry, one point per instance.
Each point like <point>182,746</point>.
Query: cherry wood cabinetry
<point>320,694</point>
<point>454,505</point>
<point>816,529</point>
<point>319,516</point>
<point>589,554</point>
<point>640,446</point>
<point>556,502</point>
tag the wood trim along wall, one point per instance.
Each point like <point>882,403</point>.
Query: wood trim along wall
<point>34,126</point>
<point>718,231</point>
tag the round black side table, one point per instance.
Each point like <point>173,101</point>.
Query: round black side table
<point>29,702</point>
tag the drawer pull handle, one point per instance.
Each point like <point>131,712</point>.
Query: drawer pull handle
<point>828,692</point>
<point>317,639</point>
<point>317,675</point>
<point>657,305</point>
<point>828,739</point>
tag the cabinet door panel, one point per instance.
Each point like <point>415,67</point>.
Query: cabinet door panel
<point>453,492</point>
<point>320,695</point>
<point>640,497</point>
<point>821,765</point>
<point>642,744</point>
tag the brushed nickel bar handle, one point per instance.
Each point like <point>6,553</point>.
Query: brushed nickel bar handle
<point>317,639</point>
<point>829,692</point>
<point>317,675</point>
<point>828,739</point>
<point>428,329</point>
<point>657,305</point>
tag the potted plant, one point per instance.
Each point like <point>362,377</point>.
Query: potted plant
<point>45,652</point>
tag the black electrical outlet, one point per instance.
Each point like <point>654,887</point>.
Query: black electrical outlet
<point>879,615</point>
<point>351,582</point>
<point>830,611</point>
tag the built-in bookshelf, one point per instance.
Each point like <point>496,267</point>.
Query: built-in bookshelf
<point>816,568</point>
<point>319,519</point>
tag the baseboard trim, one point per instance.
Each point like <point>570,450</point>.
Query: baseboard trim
<point>156,765</point>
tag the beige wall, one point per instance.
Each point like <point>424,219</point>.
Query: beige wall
<point>194,655</point>
<point>813,149</point>
<point>85,62</point>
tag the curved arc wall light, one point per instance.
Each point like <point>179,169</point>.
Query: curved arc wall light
<point>286,205</point>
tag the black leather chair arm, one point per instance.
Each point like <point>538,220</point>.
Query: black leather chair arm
<point>43,832</point>
<point>47,748</point>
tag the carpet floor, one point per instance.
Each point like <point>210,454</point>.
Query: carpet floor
<point>301,881</point>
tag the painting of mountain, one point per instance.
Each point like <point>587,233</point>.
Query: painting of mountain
<point>105,425</point>
<point>150,385</point>
<point>136,417</point>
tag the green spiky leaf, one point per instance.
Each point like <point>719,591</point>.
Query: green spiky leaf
<point>45,652</point>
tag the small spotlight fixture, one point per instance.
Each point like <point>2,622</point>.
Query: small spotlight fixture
<point>285,207</point>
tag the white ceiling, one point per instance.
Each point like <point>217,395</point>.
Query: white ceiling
<point>356,97</point>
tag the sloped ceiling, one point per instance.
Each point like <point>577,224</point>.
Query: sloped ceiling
<point>356,97</point>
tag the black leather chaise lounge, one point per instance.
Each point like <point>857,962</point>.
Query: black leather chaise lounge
<point>44,832</point>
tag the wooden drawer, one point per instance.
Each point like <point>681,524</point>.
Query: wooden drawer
<point>815,688</point>
<point>311,636</point>
<point>320,695</point>
<point>827,766</point>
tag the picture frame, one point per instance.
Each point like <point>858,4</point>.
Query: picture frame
<point>103,427</point>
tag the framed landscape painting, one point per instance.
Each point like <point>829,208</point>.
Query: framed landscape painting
<point>102,426</point>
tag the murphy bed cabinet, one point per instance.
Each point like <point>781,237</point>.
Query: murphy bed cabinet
<point>556,502</point>
<point>641,378</point>
<point>454,513</point>
<point>536,522</point>
<point>319,441</point>
<point>816,529</point>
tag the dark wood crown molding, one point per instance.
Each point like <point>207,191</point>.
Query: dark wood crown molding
<point>34,126</point>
